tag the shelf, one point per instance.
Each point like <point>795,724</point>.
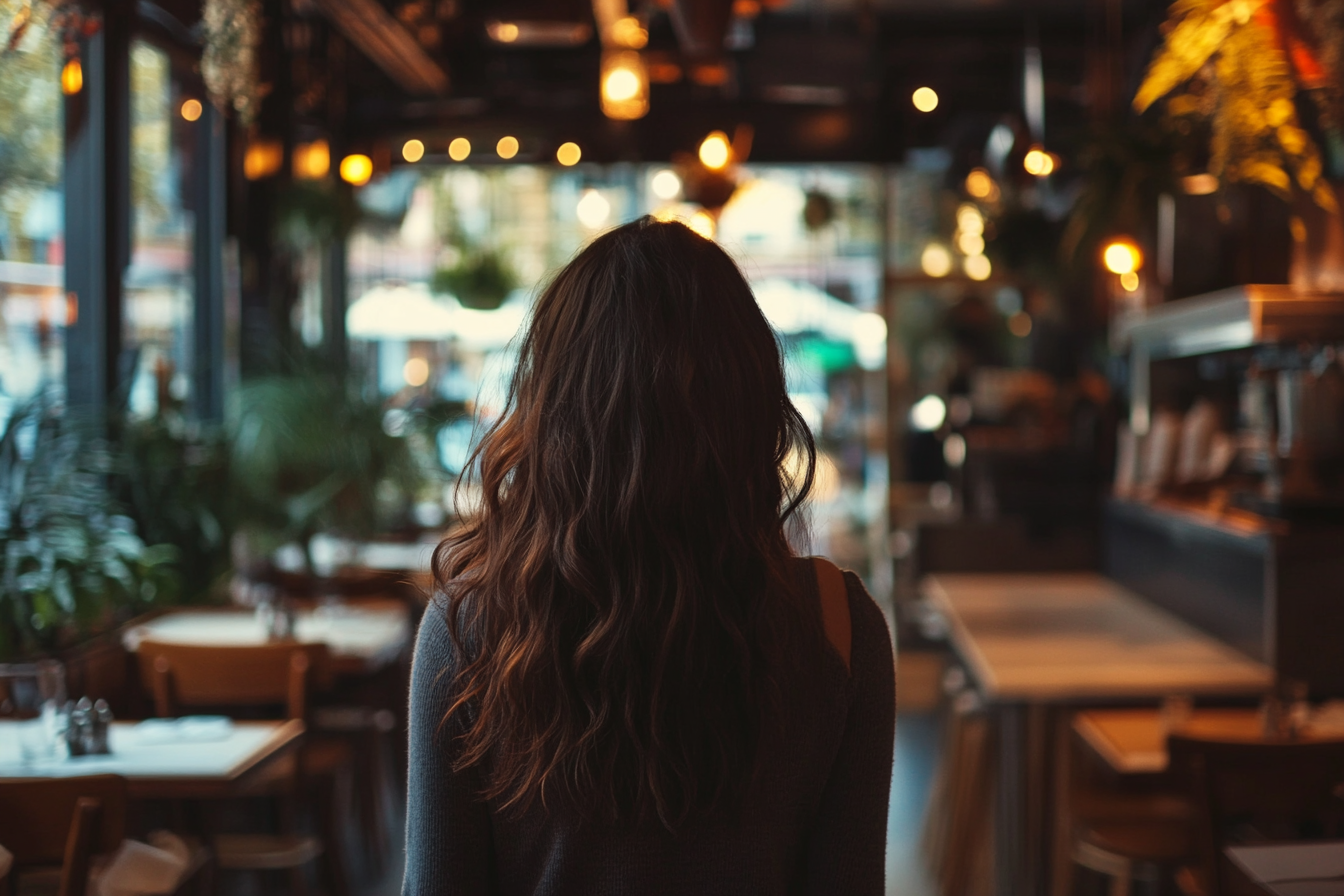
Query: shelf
<point>1235,318</point>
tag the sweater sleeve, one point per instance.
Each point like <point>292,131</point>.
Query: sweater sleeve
<point>448,831</point>
<point>846,852</point>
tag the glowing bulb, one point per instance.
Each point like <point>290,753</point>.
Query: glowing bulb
<point>1020,325</point>
<point>928,413</point>
<point>970,243</point>
<point>415,372</point>
<point>925,99</point>
<point>979,184</point>
<point>312,161</point>
<point>72,78</point>
<point>568,154</point>
<point>666,184</point>
<point>356,169</point>
<point>593,209</point>
<point>505,32</point>
<point>459,149</point>
<point>413,150</point>
<point>191,110</point>
<point>977,267</point>
<point>702,222</point>
<point>1130,281</point>
<point>621,84</point>
<point>627,32</point>
<point>969,220</point>
<point>1038,162</point>
<point>715,152</point>
<point>507,147</point>
<point>1122,257</point>
<point>262,158</point>
<point>936,260</point>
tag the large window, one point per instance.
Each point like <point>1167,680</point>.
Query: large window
<point>159,284</point>
<point>443,267</point>
<point>33,310</point>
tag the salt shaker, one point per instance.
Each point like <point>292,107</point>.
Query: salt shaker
<point>81,719</point>
<point>100,723</point>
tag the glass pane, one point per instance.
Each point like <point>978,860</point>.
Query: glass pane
<point>159,283</point>
<point>32,225</point>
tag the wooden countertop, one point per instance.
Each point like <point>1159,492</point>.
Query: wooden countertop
<point>1072,637</point>
<point>1134,741</point>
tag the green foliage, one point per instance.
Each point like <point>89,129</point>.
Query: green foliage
<point>311,213</point>
<point>30,119</point>
<point>174,478</point>
<point>481,280</point>
<point>308,454</point>
<point>72,563</point>
<point>1127,168</point>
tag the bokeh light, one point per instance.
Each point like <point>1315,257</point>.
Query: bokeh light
<point>715,151</point>
<point>356,169</point>
<point>413,150</point>
<point>925,99</point>
<point>568,154</point>
<point>936,261</point>
<point>507,147</point>
<point>1122,257</point>
<point>192,109</point>
<point>459,149</point>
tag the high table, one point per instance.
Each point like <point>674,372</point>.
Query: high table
<point>159,768</point>
<point>1037,644</point>
<point>1134,741</point>
<point>362,637</point>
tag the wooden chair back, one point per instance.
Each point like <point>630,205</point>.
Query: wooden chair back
<point>1258,791</point>
<point>62,821</point>
<point>182,676</point>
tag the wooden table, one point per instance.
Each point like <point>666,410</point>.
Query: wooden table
<point>363,637</point>
<point>1038,644</point>
<point>155,769</point>
<point>1134,741</point>
<point>1293,869</point>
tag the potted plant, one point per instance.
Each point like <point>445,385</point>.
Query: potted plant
<point>309,454</point>
<point>73,565</point>
<point>1267,79</point>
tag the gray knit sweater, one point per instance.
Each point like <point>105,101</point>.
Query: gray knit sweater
<point>814,823</point>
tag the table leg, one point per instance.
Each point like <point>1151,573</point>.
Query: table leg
<point>1022,799</point>
<point>1010,826</point>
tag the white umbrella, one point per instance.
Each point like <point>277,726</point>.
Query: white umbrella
<point>398,312</point>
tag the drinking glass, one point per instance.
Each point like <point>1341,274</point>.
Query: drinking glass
<point>32,695</point>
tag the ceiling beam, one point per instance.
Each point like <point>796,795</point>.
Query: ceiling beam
<point>388,45</point>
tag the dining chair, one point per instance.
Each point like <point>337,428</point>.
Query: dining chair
<point>249,679</point>
<point>1255,792</point>
<point>63,823</point>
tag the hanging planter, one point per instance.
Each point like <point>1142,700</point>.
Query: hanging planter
<point>229,63</point>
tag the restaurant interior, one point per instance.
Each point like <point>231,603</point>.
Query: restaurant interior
<point>1060,290</point>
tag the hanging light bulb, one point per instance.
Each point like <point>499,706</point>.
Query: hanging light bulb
<point>72,77</point>
<point>715,151</point>
<point>625,85</point>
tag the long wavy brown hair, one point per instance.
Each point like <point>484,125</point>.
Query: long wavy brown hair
<point>620,597</point>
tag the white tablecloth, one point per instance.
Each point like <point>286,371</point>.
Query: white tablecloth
<point>133,757</point>
<point>358,632</point>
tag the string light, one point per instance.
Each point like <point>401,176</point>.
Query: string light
<point>702,222</point>
<point>666,184</point>
<point>715,151</point>
<point>625,85</point>
<point>979,184</point>
<point>72,78</point>
<point>1122,257</point>
<point>356,169</point>
<point>936,261</point>
<point>568,154</point>
<point>1038,162</point>
<point>925,99</point>
<point>977,267</point>
<point>263,158</point>
<point>312,161</point>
